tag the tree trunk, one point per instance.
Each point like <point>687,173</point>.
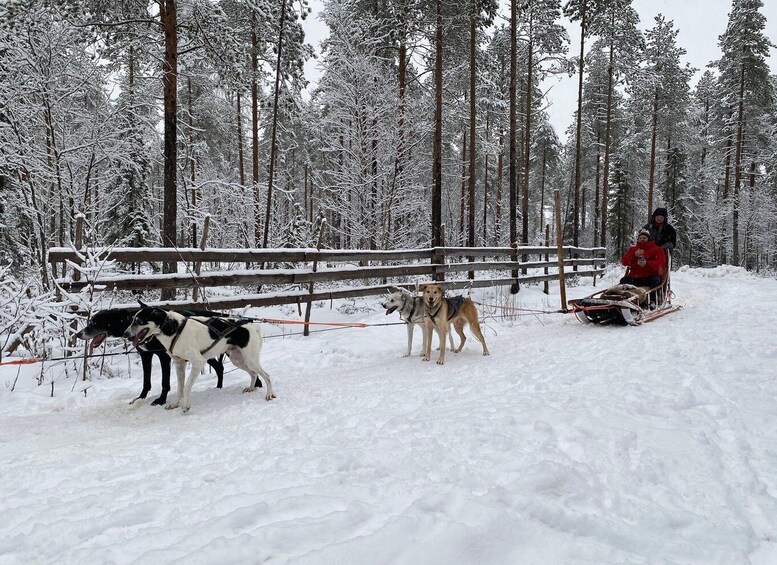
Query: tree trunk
<point>463,195</point>
<point>653,136</point>
<point>608,123</point>
<point>738,169</point>
<point>273,149</point>
<point>255,128</point>
<point>168,14</point>
<point>527,139</point>
<point>512,164</point>
<point>542,189</point>
<point>240,155</point>
<point>192,163</point>
<point>595,223</point>
<point>485,181</point>
<point>579,129</point>
<point>498,205</point>
<point>472,124</point>
<point>726,188</point>
<point>437,144</point>
<point>400,166</point>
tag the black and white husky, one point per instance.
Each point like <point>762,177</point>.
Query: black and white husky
<point>411,311</point>
<point>115,321</point>
<point>195,339</point>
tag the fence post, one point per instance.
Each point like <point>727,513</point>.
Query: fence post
<point>198,264</point>
<point>560,252</point>
<point>306,331</point>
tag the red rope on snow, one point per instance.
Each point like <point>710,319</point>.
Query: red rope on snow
<point>22,361</point>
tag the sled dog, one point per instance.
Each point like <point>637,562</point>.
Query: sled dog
<point>411,311</point>
<point>192,339</point>
<point>441,310</point>
<point>115,321</point>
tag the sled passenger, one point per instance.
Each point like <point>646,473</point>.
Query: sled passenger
<point>661,231</point>
<point>646,262</point>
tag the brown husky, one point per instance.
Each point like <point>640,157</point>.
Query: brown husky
<point>440,311</point>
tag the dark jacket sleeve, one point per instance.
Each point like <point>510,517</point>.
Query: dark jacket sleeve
<point>671,237</point>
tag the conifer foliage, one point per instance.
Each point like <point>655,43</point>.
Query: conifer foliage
<point>429,118</point>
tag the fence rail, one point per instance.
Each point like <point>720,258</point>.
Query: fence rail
<point>433,263</point>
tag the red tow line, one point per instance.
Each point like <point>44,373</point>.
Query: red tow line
<point>22,361</point>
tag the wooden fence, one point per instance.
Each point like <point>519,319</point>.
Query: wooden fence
<point>292,274</point>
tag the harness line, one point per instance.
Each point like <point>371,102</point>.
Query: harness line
<point>520,309</point>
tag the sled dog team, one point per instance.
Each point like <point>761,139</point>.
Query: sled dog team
<point>200,337</point>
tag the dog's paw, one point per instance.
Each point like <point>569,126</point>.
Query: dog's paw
<point>441,361</point>
<point>425,358</point>
<point>269,397</point>
<point>134,400</point>
<point>249,389</point>
<point>186,408</point>
<point>172,406</point>
<point>159,401</point>
<point>406,355</point>
<point>486,354</point>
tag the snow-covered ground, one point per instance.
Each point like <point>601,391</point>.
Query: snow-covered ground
<point>569,444</point>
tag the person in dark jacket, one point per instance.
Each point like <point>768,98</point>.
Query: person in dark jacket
<point>646,262</point>
<point>661,231</point>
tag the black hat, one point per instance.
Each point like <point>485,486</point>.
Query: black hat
<point>661,212</point>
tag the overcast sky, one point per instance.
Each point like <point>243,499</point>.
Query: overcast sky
<point>700,23</point>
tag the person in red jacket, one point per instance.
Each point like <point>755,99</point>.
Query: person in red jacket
<point>646,262</point>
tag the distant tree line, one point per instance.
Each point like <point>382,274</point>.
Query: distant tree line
<point>146,116</point>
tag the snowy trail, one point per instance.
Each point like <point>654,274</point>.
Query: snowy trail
<point>569,444</point>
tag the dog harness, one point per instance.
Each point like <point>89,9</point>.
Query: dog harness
<point>177,335</point>
<point>221,334</point>
<point>454,305</point>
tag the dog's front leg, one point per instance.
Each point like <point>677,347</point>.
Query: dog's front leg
<point>409,339</point>
<point>426,337</point>
<point>428,347</point>
<point>145,362</point>
<point>180,367</point>
<point>164,361</point>
<point>443,329</point>
<point>194,372</point>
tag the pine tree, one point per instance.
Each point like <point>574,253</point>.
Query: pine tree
<point>617,27</point>
<point>744,81</point>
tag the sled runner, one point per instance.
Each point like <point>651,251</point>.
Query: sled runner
<point>626,304</point>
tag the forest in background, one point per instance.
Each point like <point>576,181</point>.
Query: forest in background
<point>147,116</point>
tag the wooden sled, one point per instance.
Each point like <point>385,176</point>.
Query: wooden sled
<point>626,304</point>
